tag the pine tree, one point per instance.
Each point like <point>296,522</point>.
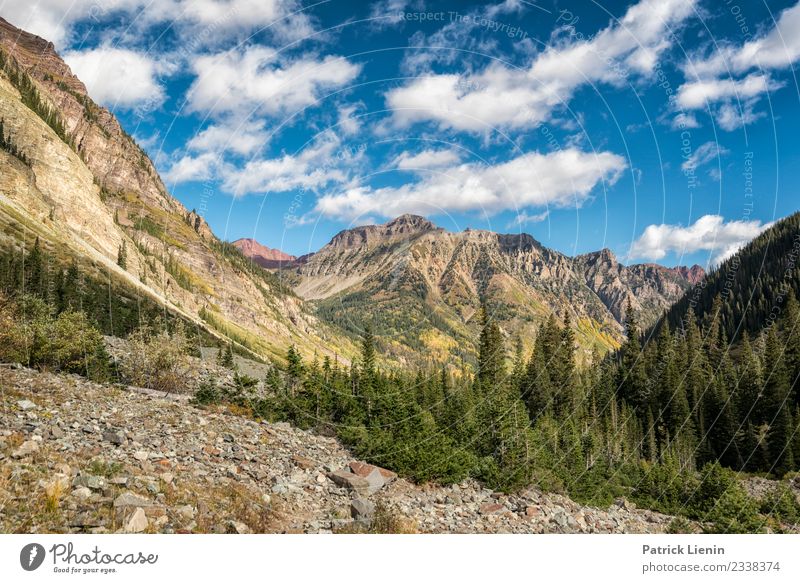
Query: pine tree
<point>777,405</point>
<point>491,355</point>
<point>122,255</point>
<point>632,376</point>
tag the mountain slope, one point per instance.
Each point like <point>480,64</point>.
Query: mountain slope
<point>420,286</point>
<point>752,285</point>
<point>84,187</point>
<point>262,255</point>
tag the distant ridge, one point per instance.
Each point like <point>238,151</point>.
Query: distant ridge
<point>264,256</point>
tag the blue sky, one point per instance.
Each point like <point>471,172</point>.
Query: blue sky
<point>665,130</point>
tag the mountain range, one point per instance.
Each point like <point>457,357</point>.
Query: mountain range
<point>71,177</point>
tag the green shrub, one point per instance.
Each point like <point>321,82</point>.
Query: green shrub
<point>157,360</point>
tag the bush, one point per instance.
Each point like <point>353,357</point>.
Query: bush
<point>157,360</point>
<point>734,513</point>
<point>207,393</point>
<point>69,343</point>
<point>782,505</point>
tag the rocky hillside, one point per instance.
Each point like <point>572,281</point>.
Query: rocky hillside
<point>80,457</point>
<point>263,255</point>
<point>84,187</point>
<point>410,271</point>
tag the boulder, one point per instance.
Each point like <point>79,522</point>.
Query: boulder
<point>362,510</point>
<point>363,470</point>
<point>351,481</point>
<point>137,522</point>
<point>130,499</point>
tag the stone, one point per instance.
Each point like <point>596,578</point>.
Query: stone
<point>115,437</point>
<point>82,493</point>
<point>350,481</point>
<point>491,508</point>
<point>375,480</point>
<point>362,510</point>
<point>131,499</point>
<point>303,462</point>
<point>140,455</point>
<point>185,512</point>
<point>27,448</point>
<point>236,527</point>
<point>137,522</point>
<point>89,481</point>
<point>364,470</point>
<point>26,405</point>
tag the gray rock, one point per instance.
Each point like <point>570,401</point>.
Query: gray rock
<point>351,481</point>
<point>115,437</point>
<point>26,405</point>
<point>89,481</point>
<point>27,448</point>
<point>137,522</point>
<point>130,499</point>
<point>362,510</point>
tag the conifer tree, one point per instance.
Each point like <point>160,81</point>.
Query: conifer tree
<point>491,355</point>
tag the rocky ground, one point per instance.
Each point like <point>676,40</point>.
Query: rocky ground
<point>76,456</point>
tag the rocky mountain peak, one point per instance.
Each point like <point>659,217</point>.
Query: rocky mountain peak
<point>408,224</point>
<point>261,254</point>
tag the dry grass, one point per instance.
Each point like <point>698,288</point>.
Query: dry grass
<point>385,521</point>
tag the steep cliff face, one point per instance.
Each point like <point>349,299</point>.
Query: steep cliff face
<point>421,285</point>
<point>86,188</point>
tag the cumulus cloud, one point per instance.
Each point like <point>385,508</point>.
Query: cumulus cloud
<point>426,159</point>
<point>708,233</point>
<point>700,93</point>
<point>327,161</point>
<point>119,78</point>
<point>499,95</point>
<point>560,178</point>
<point>192,168</point>
<point>240,81</point>
<point>703,155</point>
<point>722,81</point>
<point>242,138</point>
<point>204,19</point>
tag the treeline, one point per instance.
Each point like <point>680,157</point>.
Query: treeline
<point>704,398</point>
<point>653,424</point>
<point>39,273</point>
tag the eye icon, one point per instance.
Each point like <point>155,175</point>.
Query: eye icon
<point>31,556</point>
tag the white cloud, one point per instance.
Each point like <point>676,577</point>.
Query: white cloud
<point>776,49</point>
<point>326,162</point>
<point>698,94</point>
<point>204,20</point>
<point>718,81</point>
<point>254,78</point>
<point>192,168</point>
<point>708,233</point>
<point>523,218</point>
<point>241,138</point>
<point>348,123</point>
<point>560,178</point>
<point>506,97</point>
<point>53,19</point>
<point>704,154</point>
<point>426,159</point>
<point>118,78</point>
